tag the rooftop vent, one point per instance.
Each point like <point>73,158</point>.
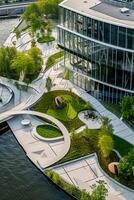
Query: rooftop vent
<point>124,10</point>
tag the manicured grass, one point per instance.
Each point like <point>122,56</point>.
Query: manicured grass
<point>48,131</point>
<point>122,146</point>
<point>53,59</point>
<point>46,39</point>
<point>68,114</point>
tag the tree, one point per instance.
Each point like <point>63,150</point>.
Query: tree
<point>49,84</point>
<point>23,65</point>
<point>105,144</point>
<point>127,107</point>
<point>99,192</point>
<point>31,9</point>
<point>126,167</point>
<point>52,8</point>
<point>36,54</point>
<point>6,56</point>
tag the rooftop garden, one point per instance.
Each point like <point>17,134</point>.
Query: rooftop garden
<point>103,142</point>
<point>67,112</point>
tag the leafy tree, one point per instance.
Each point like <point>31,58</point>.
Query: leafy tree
<point>52,8</point>
<point>6,56</point>
<point>49,84</point>
<point>23,64</point>
<point>126,167</point>
<point>105,144</point>
<point>36,55</point>
<point>99,192</point>
<point>127,107</point>
<point>31,8</point>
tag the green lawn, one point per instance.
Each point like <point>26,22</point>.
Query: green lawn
<point>53,58</point>
<point>48,131</point>
<point>46,39</point>
<point>122,146</point>
<point>67,115</point>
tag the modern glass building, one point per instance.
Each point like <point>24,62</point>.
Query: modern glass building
<point>98,38</point>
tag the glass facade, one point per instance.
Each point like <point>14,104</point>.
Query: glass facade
<point>101,53</point>
<point>98,30</point>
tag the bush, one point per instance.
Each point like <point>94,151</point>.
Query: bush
<point>106,145</point>
<point>126,167</point>
<point>99,192</point>
<point>127,107</point>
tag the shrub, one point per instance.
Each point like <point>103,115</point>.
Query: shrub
<point>126,167</point>
<point>105,144</point>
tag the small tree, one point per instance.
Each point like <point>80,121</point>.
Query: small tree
<point>36,55</point>
<point>127,107</point>
<point>49,84</point>
<point>99,192</point>
<point>126,167</point>
<point>105,144</point>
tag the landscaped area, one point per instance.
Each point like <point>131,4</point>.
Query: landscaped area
<point>68,115</point>
<point>88,141</point>
<point>48,131</point>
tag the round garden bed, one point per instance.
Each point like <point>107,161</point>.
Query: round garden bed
<point>48,131</point>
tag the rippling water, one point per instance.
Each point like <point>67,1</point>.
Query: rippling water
<point>19,178</point>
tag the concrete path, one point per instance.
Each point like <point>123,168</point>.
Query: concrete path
<point>86,171</point>
<point>42,153</point>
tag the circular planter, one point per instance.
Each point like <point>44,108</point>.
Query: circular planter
<point>44,138</point>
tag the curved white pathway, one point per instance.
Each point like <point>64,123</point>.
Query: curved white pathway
<point>38,152</point>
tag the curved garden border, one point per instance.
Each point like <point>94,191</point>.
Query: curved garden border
<point>56,139</point>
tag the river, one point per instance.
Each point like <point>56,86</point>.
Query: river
<point>19,178</point>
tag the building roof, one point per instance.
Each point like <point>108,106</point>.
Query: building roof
<point>101,11</point>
